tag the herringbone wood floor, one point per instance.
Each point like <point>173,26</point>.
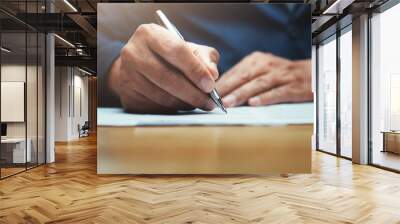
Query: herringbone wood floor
<point>69,191</point>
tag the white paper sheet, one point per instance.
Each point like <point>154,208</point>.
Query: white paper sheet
<point>282,114</point>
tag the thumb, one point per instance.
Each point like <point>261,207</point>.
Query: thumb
<point>209,56</point>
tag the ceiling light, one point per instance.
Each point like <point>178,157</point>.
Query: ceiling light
<point>5,50</point>
<point>84,71</point>
<point>337,7</point>
<point>70,5</point>
<point>65,41</point>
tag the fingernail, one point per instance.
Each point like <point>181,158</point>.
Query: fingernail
<point>229,100</point>
<point>207,84</point>
<point>255,101</point>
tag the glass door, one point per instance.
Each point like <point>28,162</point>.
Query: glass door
<point>327,95</point>
<point>14,153</point>
<point>32,98</point>
<point>23,90</point>
<point>345,43</point>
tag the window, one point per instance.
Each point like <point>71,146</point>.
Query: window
<point>346,92</point>
<point>327,95</point>
<point>385,89</point>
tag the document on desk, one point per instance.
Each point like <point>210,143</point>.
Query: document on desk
<point>281,114</point>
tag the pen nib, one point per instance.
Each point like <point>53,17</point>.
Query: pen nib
<point>217,100</point>
<point>221,106</point>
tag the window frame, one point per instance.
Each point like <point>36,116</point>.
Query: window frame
<point>333,37</point>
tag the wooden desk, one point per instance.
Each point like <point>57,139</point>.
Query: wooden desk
<point>391,141</point>
<point>204,150</point>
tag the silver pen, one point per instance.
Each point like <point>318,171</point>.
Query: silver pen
<point>164,21</point>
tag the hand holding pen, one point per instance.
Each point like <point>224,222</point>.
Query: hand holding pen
<point>158,72</point>
<point>164,21</point>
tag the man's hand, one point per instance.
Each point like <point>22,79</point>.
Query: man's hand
<point>157,72</point>
<point>263,79</point>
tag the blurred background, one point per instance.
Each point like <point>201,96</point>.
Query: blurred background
<point>48,76</point>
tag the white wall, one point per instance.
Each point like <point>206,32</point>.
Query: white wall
<point>71,94</point>
<point>80,83</point>
<point>13,100</point>
<point>62,81</point>
<point>15,72</point>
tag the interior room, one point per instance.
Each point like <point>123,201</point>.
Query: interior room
<point>339,165</point>
<point>22,102</point>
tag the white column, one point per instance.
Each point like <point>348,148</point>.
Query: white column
<point>63,101</point>
<point>50,99</point>
<point>314,90</point>
<point>360,90</point>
